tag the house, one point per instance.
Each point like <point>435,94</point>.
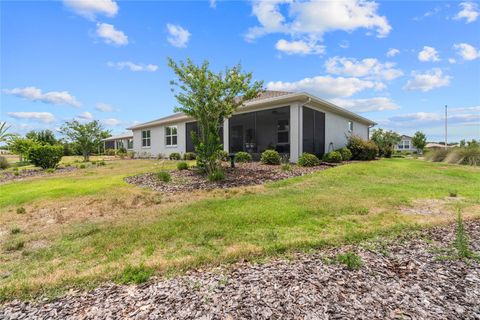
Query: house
<point>291,123</point>
<point>405,144</point>
<point>123,141</point>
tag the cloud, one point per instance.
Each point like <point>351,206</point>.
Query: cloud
<point>90,8</point>
<point>110,35</point>
<point>85,116</point>
<point>213,4</point>
<point>432,118</point>
<point>466,51</point>
<point>52,97</point>
<point>112,122</point>
<point>469,12</point>
<point>427,81</point>
<point>45,117</point>
<point>370,68</point>
<point>103,107</point>
<point>428,54</point>
<point>135,67</point>
<point>392,52</point>
<point>327,86</point>
<point>178,36</point>
<point>299,47</point>
<point>366,105</point>
<point>344,44</point>
<point>452,60</point>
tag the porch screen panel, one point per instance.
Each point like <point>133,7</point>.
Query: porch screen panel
<point>273,130</point>
<point>190,127</point>
<point>242,132</point>
<point>313,131</point>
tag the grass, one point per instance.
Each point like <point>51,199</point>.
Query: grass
<point>128,234</point>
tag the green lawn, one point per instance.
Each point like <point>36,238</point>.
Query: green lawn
<point>344,204</point>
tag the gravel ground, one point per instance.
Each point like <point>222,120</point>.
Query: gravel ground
<point>401,279</point>
<point>28,173</point>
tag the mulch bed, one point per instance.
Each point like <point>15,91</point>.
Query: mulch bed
<point>29,173</point>
<point>400,279</point>
<point>244,174</point>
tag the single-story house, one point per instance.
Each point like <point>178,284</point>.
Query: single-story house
<point>291,123</point>
<point>122,141</point>
<point>405,144</point>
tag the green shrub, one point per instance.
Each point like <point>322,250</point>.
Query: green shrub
<point>135,275</point>
<point>351,260</point>
<point>332,157</point>
<point>82,166</point>
<point>21,210</point>
<point>189,156</point>
<point>110,152</point>
<point>15,230</point>
<point>362,149</point>
<point>223,155</point>
<point>346,153</point>
<point>164,176</point>
<point>217,175</point>
<point>101,163</point>
<point>461,239</point>
<point>243,156</point>
<point>50,170</point>
<point>4,164</point>
<point>286,167</point>
<point>470,155</point>
<point>453,193</point>
<point>174,156</point>
<point>270,157</point>
<point>308,160</point>
<point>45,156</point>
<point>437,155</point>
<point>182,166</point>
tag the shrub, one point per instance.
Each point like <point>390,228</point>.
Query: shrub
<point>452,193</point>
<point>174,156</point>
<point>189,156</point>
<point>4,164</point>
<point>182,166</point>
<point>15,230</point>
<point>308,160</point>
<point>101,163</point>
<point>470,155</point>
<point>243,157</point>
<point>223,155</point>
<point>164,176</point>
<point>21,210</point>
<point>286,167</point>
<point>45,156</point>
<point>217,175</point>
<point>332,157</point>
<point>50,170</point>
<point>346,153</point>
<point>351,260</point>
<point>82,166</point>
<point>362,149</point>
<point>270,157</point>
<point>437,155</point>
<point>110,152</point>
<point>461,239</point>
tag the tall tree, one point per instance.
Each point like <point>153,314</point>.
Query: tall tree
<point>87,137</point>
<point>210,97</point>
<point>43,137</point>
<point>20,146</point>
<point>4,135</point>
<point>419,140</point>
<point>385,141</point>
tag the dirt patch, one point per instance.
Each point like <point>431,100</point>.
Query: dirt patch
<point>242,175</point>
<point>29,173</point>
<point>431,206</point>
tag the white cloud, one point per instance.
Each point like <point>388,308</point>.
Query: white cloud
<point>452,60</point>
<point>52,97</point>
<point>366,105</point>
<point>90,8</point>
<point>344,44</point>
<point>110,35</point>
<point>112,122</point>
<point>213,4</point>
<point>178,36</point>
<point>299,47</point>
<point>45,117</point>
<point>369,67</point>
<point>466,51</point>
<point>103,107</point>
<point>136,67</point>
<point>432,118</point>
<point>427,81</point>
<point>392,52</point>
<point>469,12</point>
<point>327,86</point>
<point>428,54</point>
<point>85,116</point>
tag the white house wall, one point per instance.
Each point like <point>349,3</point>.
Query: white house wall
<point>158,141</point>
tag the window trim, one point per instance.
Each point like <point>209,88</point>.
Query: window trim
<point>144,139</point>
<point>171,145</point>
<point>350,126</point>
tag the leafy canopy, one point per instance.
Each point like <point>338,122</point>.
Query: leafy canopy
<point>385,141</point>
<point>419,140</point>
<point>87,137</point>
<point>43,137</point>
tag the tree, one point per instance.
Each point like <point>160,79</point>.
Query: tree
<point>20,146</point>
<point>43,137</point>
<point>385,141</point>
<point>4,135</point>
<point>87,137</point>
<point>419,140</point>
<point>210,98</point>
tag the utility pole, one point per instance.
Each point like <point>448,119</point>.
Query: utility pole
<point>446,126</point>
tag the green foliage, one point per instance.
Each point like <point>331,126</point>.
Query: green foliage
<point>461,239</point>
<point>21,146</point>
<point>43,137</point>
<point>469,155</point>
<point>385,141</point>
<point>15,230</point>
<point>436,155</point>
<point>270,157</point>
<point>351,260</point>
<point>82,166</point>
<point>286,167</point>
<point>137,275</point>
<point>14,245</point>
<point>332,157</point>
<point>210,98</point>
<point>223,155</point>
<point>87,137</point>
<point>174,156</point>
<point>21,210</point>
<point>346,153</point>
<point>101,163</point>
<point>4,135</point>
<point>4,164</point>
<point>189,156</point>
<point>182,166</point>
<point>45,156</point>
<point>243,156</point>
<point>164,176</point>
<point>110,152</point>
<point>50,170</point>
<point>217,175</point>
<point>419,140</point>
<point>362,149</point>
<point>308,160</point>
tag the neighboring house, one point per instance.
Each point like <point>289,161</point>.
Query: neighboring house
<point>291,123</point>
<point>124,141</point>
<point>405,144</point>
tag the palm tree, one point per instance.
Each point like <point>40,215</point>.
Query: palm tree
<point>3,132</point>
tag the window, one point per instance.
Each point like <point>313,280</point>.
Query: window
<point>171,136</point>
<point>146,138</point>
<point>282,131</point>
<point>119,144</point>
<point>404,144</point>
<point>130,144</point>
<point>350,126</point>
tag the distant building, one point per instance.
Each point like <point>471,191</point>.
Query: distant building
<point>405,144</point>
<point>123,141</point>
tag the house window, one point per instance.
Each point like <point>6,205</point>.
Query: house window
<point>404,144</point>
<point>130,144</point>
<point>350,126</point>
<point>146,138</point>
<point>171,136</point>
<point>282,131</point>
<point>119,144</point>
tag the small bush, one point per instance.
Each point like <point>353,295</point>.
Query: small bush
<point>21,210</point>
<point>101,163</point>
<point>243,157</point>
<point>45,156</point>
<point>332,157</point>
<point>15,230</point>
<point>4,164</point>
<point>437,155</point>
<point>470,155</point>
<point>164,176</point>
<point>50,170</point>
<point>270,157</point>
<point>351,260</point>
<point>461,239</point>
<point>217,175</point>
<point>362,149</point>
<point>182,166</point>
<point>82,166</point>
<point>16,173</point>
<point>174,156</point>
<point>286,167</point>
<point>110,152</point>
<point>189,156</point>
<point>346,153</point>
<point>135,275</point>
<point>223,155</point>
<point>308,160</point>
<point>453,193</point>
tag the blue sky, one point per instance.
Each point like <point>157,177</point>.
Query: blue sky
<point>397,63</point>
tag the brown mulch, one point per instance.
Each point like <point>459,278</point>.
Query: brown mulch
<point>29,173</point>
<point>403,278</point>
<point>244,174</point>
